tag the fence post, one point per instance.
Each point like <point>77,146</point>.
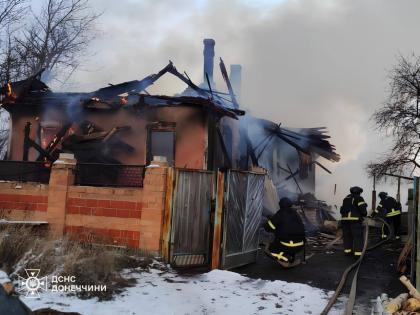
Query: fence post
<point>374,194</point>
<point>415,266</point>
<point>167,215</point>
<point>152,213</point>
<point>62,176</point>
<point>217,231</point>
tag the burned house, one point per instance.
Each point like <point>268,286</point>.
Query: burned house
<point>123,124</point>
<point>116,124</point>
<point>200,128</point>
<point>203,159</point>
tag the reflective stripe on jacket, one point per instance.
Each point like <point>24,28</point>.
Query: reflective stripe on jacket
<point>292,244</point>
<point>388,207</point>
<point>353,208</point>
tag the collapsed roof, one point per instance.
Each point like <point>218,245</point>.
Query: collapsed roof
<point>305,140</point>
<point>33,91</point>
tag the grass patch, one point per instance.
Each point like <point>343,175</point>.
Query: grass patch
<point>91,264</point>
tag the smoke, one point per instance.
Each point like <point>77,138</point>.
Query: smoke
<point>305,63</point>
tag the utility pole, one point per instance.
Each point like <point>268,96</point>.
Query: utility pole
<point>374,193</point>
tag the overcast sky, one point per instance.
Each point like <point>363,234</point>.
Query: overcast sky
<point>306,63</point>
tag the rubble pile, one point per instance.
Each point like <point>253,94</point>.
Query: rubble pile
<point>316,215</point>
<point>403,304</point>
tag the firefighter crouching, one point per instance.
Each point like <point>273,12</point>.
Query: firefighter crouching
<point>289,232</point>
<point>352,212</point>
<point>389,209</point>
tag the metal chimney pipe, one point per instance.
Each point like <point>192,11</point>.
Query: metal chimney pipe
<point>208,60</point>
<point>236,79</point>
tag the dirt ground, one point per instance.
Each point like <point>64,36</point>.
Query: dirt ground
<point>377,273</point>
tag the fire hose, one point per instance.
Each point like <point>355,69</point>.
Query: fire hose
<point>357,263</point>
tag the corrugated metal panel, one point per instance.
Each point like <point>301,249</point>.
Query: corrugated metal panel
<point>254,203</point>
<point>191,217</point>
<point>242,217</point>
<point>235,211</point>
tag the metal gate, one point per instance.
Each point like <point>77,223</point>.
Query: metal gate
<point>242,216</point>
<point>190,230</point>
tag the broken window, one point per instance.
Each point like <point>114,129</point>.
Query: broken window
<point>305,163</point>
<point>47,135</point>
<point>48,132</point>
<point>162,143</point>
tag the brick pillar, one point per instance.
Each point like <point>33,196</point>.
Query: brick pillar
<point>62,176</point>
<point>153,209</point>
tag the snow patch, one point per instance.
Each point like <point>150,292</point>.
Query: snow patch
<point>215,292</point>
<point>4,277</point>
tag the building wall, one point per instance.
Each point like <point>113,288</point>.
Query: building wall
<point>130,217</point>
<point>120,216</point>
<point>19,119</point>
<point>190,130</point>
<point>23,201</point>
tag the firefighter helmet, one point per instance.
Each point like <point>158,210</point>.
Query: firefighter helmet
<point>382,195</point>
<point>356,190</point>
<point>285,203</point>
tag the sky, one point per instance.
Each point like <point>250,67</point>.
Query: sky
<point>306,63</point>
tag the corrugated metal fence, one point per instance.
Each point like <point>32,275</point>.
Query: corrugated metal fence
<point>193,223</point>
<point>190,233</point>
<point>242,217</point>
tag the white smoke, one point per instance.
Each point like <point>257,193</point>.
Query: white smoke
<point>305,63</point>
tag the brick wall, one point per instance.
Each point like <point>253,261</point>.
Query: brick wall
<point>119,216</point>
<point>23,201</point>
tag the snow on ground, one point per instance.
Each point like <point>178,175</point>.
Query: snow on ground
<point>215,292</point>
<point>3,277</point>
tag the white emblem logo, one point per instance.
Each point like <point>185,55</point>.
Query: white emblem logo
<point>32,284</point>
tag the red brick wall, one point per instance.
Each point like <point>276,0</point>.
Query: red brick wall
<point>113,236</point>
<point>121,216</point>
<point>23,201</point>
<point>104,207</point>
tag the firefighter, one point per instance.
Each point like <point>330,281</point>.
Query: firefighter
<point>390,210</point>
<point>352,212</point>
<point>289,232</point>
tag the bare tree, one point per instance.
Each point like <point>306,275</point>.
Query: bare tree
<point>11,11</point>
<point>400,117</point>
<point>57,37</point>
<point>10,63</point>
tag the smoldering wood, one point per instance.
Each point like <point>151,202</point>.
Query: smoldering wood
<point>50,148</point>
<point>294,178</point>
<point>223,146</point>
<point>28,143</point>
<point>323,167</point>
<point>228,84</point>
<point>97,146</point>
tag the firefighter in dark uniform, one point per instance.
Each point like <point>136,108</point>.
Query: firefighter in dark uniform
<point>390,210</point>
<point>289,231</point>
<point>352,212</point>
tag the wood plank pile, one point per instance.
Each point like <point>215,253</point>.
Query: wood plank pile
<point>403,304</point>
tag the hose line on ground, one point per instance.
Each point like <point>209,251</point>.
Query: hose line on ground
<point>357,263</point>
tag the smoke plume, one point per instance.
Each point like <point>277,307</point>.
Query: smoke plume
<point>306,63</point>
